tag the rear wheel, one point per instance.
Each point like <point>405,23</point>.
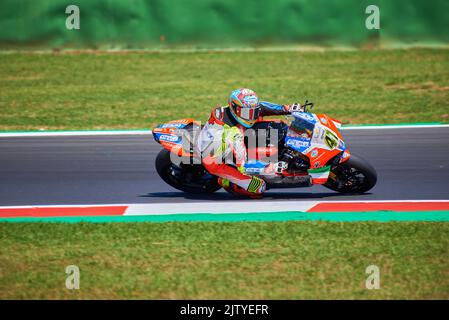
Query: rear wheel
<point>188,178</point>
<point>355,175</point>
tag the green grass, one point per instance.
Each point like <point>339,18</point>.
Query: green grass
<point>139,90</point>
<point>283,260</point>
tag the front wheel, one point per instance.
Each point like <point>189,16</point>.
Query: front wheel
<point>185,177</point>
<point>355,175</point>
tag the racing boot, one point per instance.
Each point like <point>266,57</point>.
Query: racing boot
<point>255,189</point>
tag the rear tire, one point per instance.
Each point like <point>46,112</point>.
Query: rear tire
<point>187,178</point>
<point>355,176</point>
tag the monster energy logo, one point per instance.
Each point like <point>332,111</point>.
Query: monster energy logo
<point>330,139</point>
<point>254,185</point>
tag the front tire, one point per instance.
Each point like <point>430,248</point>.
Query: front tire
<point>354,176</point>
<point>188,178</point>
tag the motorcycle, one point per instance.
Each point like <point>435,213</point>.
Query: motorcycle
<point>308,150</point>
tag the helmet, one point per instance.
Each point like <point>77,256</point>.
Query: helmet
<point>244,106</point>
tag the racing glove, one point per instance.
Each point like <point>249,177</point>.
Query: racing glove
<point>296,107</point>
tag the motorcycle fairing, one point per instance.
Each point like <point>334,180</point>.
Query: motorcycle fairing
<point>318,137</point>
<point>170,137</point>
<point>299,131</point>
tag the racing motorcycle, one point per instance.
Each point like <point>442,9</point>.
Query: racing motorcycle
<point>308,150</point>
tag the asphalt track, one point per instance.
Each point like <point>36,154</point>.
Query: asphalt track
<point>412,164</point>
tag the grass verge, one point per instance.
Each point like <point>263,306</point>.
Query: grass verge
<point>241,260</point>
<point>139,90</point>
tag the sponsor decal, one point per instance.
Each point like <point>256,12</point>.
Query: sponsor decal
<point>173,125</point>
<point>323,120</point>
<point>322,134</point>
<point>293,134</point>
<point>314,153</point>
<point>331,139</point>
<point>169,138</point>
<point>183,121</point>
<point>254,170</point>
<point>306,116</point>
<point>319,176</point>
<point>317,164</point>
<point>318,133</point>
<point>297,134</point>
<point>297,143</point>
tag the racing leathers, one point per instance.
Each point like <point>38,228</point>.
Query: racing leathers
<point>222,147</point>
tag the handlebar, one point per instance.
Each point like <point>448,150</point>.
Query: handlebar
<point>307,104</point>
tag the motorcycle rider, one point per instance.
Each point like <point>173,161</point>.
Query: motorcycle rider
<point>226,126</point>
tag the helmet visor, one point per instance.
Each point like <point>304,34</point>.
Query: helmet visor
<point>248,114</point>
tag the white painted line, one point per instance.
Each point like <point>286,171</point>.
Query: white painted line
<point>216,207</point>
<point>222,204</point>
<point>232,206</point>
<point>65,206</point>
<point>75,133</point>
<point>149,132</point>
<point>242,206</point>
